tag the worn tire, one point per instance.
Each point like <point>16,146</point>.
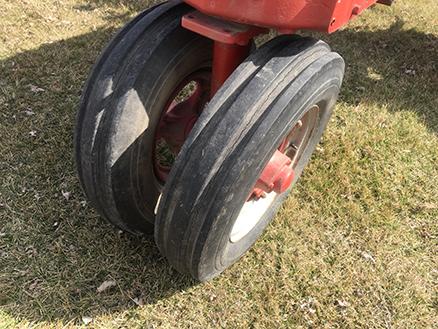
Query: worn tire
<point>231,144</point>
<point>120,107</point>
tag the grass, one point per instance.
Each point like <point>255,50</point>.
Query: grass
<point>354,246</point>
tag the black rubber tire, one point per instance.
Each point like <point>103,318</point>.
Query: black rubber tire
<point>231,144</point>
<point>120,108</point>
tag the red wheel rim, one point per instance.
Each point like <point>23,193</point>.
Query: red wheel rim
<point>178,118</point>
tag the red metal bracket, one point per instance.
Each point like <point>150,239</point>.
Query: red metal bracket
<point>232,43</point>
<point>220,30</point>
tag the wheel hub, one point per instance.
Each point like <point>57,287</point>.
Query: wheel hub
<point>279,173</point>
<point>178,119</point>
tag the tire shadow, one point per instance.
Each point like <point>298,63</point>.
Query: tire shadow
<point>56,252</point>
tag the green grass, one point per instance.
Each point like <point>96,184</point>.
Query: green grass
<point>354,246</point>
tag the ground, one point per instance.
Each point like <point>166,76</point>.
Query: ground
<point>355,245</point>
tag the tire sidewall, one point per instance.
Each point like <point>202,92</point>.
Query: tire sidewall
<point>153,101</point>
<point>125,143</point>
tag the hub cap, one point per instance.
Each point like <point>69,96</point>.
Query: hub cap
<point>276,177</point>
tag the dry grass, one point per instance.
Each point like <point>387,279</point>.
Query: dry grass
<point>354,246</point>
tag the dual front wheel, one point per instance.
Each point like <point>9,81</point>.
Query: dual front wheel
<point>155,154</point>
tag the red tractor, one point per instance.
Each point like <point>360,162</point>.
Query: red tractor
<point>189,131</point>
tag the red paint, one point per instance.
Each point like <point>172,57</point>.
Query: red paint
<point>286,15</point>
<point>277,175</point>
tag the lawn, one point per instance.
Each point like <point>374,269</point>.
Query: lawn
<point>354,246</point>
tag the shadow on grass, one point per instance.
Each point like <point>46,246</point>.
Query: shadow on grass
<point>393,68</point>
<point>132,6</point>
<point>57,252</point>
